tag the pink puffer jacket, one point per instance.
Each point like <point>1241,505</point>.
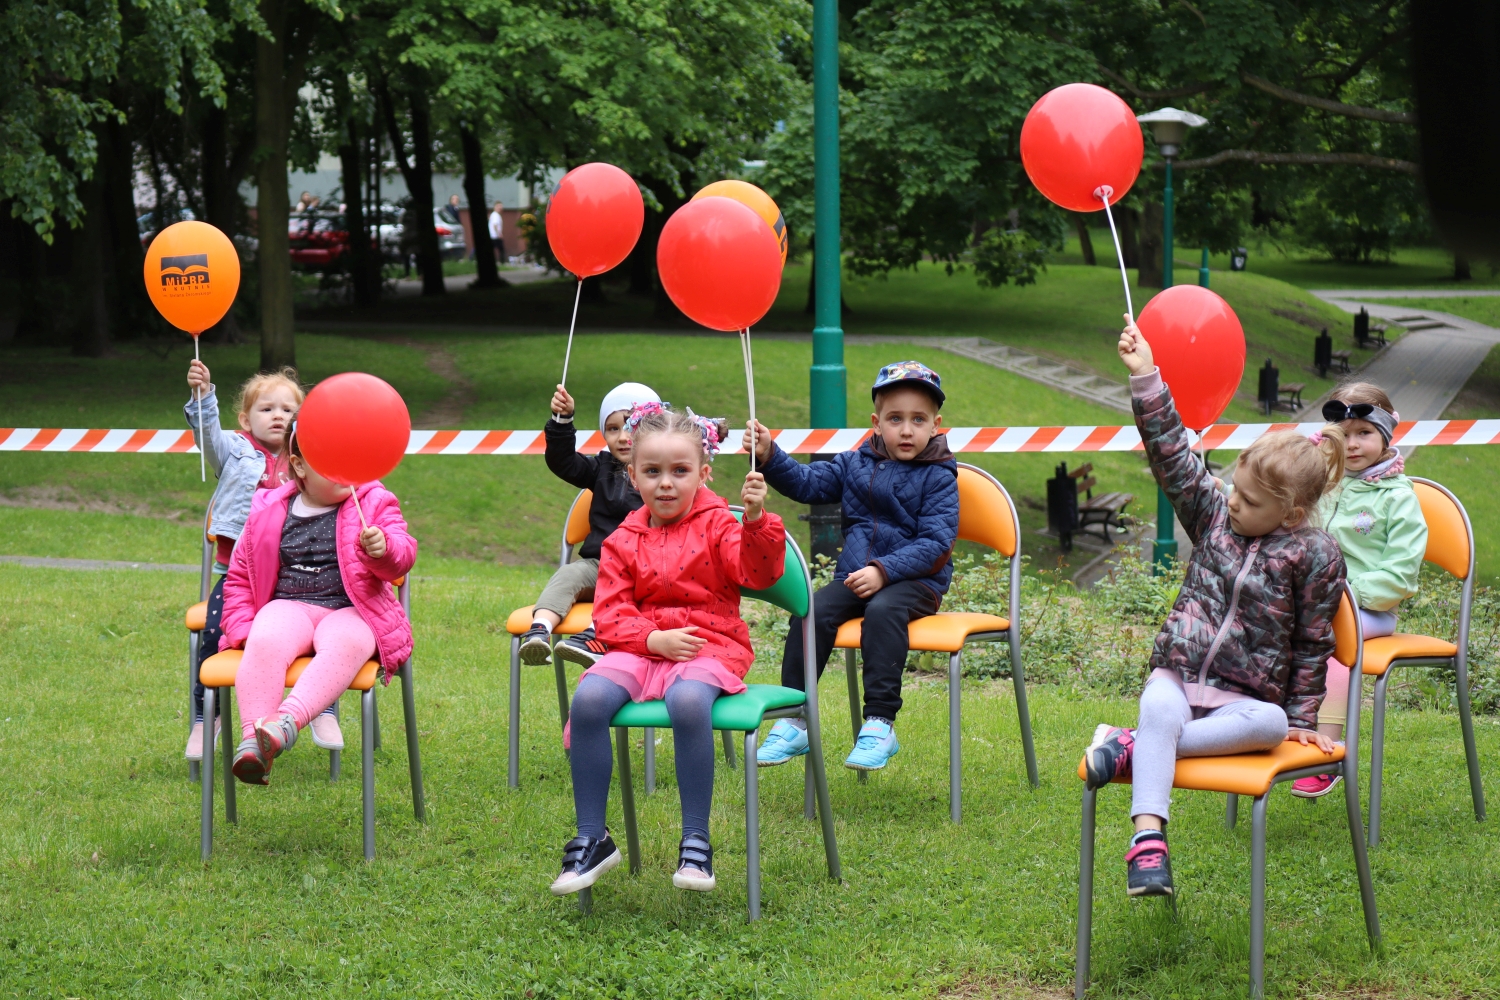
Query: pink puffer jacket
<point>257,564</point>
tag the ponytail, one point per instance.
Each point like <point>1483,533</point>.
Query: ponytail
<point>1331,442</point>
<point>1297,470</point>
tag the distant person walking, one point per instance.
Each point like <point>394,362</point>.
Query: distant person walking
<point>497,231</point>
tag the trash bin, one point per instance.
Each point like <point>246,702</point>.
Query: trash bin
<point>1238,259</point>
<point>1270,387</point>
<point>1323,353</point>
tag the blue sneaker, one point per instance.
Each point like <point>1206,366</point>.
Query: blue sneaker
<point>783,742</point>
<point>875,746</point>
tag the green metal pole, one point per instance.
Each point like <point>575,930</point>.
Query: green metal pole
<point>828,380</point>
<point>1203,270</point>
<point>1165,545</point>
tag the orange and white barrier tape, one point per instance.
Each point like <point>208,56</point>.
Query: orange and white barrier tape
<point>800,441</point>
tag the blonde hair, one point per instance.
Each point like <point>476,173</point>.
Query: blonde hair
<point>1363,392</point>
<point>1297,470</point>
<point>655,418</point>
<point>258,385</point>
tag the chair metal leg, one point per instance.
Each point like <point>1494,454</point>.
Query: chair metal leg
<point>752,827</point>
<point>1231,811</point>
<point>335,757</point>
<point>226,712</point>
<point>413,751</point>
<point>1258,898</point>
<point>513,764</point>
<point>627,799</point>
<point>560,674</point>
<point>820,788</point>
<point>1377,760</point>
<point>855,719</point>
<point>955,739</point>
<point>1466,722</point>
<point>367,737</point>
<point>809,791</point>
<point>1085,895</point>
<point>728,748</point>
<point>1023,708</point>
<point>585,901</point>
<point>206,816</point>
<point>650,761</point>
<point>193,640</point>
<point>1361,856</point>
<point>375,721</point>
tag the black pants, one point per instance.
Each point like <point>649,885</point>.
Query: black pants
<point>884,642</point>
<point>208,645</point>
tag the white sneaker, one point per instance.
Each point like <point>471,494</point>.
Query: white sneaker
<point>195,740</point>
<point>326,732</point>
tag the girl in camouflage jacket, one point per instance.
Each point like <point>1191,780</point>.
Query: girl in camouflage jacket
<point>1239,665</point>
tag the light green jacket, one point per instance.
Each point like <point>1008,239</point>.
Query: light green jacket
<point>1380,528</point>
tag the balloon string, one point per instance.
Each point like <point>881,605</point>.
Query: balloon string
<point>571,326</point>
<point>750,388</point>
<point>1103,192</point>
<point>202,431</point>
<point>355,494</point>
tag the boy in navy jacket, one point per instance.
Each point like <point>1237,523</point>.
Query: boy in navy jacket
<point>899,492</point>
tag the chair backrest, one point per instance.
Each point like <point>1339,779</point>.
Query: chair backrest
<point>1450,538</point>
<point>985,512</point>
<point>576,527</point>
<point>793,592</point>
<point>1345,631</point>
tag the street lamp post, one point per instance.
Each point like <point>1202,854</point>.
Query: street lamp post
<point>1169,126</point>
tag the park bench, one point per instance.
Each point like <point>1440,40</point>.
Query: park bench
<point>1341,359</point>
<point>1293,392</point>
<point>1067,514</point>
<point>1365,332</point>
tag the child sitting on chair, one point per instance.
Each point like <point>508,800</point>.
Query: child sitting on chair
<point>1239,665</point>
<point>668,604</point>
<point>244,462</point>
<point>614,497</point>
<point>306,578</point>
<point>899,492</point>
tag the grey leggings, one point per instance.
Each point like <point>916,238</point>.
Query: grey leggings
<point>1170,728</point>
<point>690,705</point>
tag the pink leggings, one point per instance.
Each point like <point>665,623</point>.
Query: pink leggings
<point>340,641</point>
<point>1335,707</point>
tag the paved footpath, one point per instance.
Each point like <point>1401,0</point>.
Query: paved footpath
<point>1428,366</point>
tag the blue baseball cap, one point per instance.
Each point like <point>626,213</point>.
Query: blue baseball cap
<point>918,375</point>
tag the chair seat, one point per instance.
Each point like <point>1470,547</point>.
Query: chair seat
<point>197,617</point>
<point>1244,773</point>
<point>944,632</point>
<point>1402,646</point>
<point>739,712</point>
<point>578,619</point>
<point>219,670</point>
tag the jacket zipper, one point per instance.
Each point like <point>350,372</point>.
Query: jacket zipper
<point>1234,604</point>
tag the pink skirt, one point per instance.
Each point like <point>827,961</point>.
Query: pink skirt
<point>647,678</point>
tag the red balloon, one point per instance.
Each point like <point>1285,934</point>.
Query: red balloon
<point>1077,138</point>
<point>353,428</point>
<point>594,218</point>
<point>720,263</point>
<point>1199,346</point>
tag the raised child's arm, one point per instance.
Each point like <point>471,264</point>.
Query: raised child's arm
<point>752,553</point>
<point>816,482</point>
<point>563,458</point>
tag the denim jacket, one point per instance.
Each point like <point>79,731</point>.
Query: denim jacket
<point>239,465</point>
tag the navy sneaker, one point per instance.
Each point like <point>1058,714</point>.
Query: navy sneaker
<point>584,649</point>
<point>1108,757</point>
<point>585,859</point>
<point>1148,869</point>
<point>536,646</point>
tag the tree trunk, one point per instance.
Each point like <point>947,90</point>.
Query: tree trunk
<point>1128,222</point>
<point>1085,244</point>
<point>642,260</point>
<point>91,274</point>
<point>13,237</point>
<point>364,269</point>
<point>1461,271</point>
<point>429,256</point>
<point>278,346</point>
<point>1151,257</point>
<point>479,213</point>
<point>130,307</point>
<point>219,197</point>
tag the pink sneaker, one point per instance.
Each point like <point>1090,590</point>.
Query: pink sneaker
<point>1315,787</point>
<point>275,736</point>
<point>195,740</point>
<point>326,732</point>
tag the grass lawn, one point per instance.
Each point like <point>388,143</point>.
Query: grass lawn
<point>106,895</point>
<point>1408,267</point>
<point>1481,308</point>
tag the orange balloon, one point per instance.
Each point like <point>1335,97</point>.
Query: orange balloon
<point>192,275</point>
<point>759,202</point>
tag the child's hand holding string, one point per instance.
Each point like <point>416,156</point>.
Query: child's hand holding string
<point>1304,736</point>
<point>198,379</point>
<point>1134,350</point>
<point>676,644</point>
<point>372,540</point>
<point>754,495</point>
<point>762,441</point>
<point>562,403</point>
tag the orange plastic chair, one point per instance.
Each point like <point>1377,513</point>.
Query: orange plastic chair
<point>987,516</point>
<point>1450,545</point>
<point>1254,774</point>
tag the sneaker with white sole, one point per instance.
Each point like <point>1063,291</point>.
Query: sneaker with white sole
<point>695,865</point>
<point>875,746</point>
<point>326,732</point>
<point>785,741</point>
<point>1316,787</point>
<point>584,649</point>
<point>1109,756</point>
<point>195,740</point>
<point>536,646</point>
<point>585,859</point>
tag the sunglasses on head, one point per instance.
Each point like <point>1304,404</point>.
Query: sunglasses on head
<point>1335,411</point>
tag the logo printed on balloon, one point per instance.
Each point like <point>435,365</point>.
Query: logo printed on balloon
<point>187,269</point>
<point>756,200</point>
<point>192,273</point>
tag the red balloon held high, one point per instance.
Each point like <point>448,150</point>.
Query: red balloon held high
<point>1199,346</point>
<point>353,428</point>
<point>594,219</point>
<point>1077,138</point>
<point>720,263</point>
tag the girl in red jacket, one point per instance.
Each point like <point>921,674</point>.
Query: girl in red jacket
<point>668,605</point>
<point>307,578</point>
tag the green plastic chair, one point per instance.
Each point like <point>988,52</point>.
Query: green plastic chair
<point>745,713</point>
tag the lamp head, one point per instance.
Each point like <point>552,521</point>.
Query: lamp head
<point>1169,126</point>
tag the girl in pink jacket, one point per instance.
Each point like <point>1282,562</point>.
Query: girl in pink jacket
<point>668,604</point>
<point>306,578</point>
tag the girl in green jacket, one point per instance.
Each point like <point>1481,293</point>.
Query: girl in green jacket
<point>1375,517</point>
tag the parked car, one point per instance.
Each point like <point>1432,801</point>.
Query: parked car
<point>320,238</point>
<point>450,236</point>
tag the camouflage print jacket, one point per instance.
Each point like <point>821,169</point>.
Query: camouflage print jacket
<point>1255,615</point>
